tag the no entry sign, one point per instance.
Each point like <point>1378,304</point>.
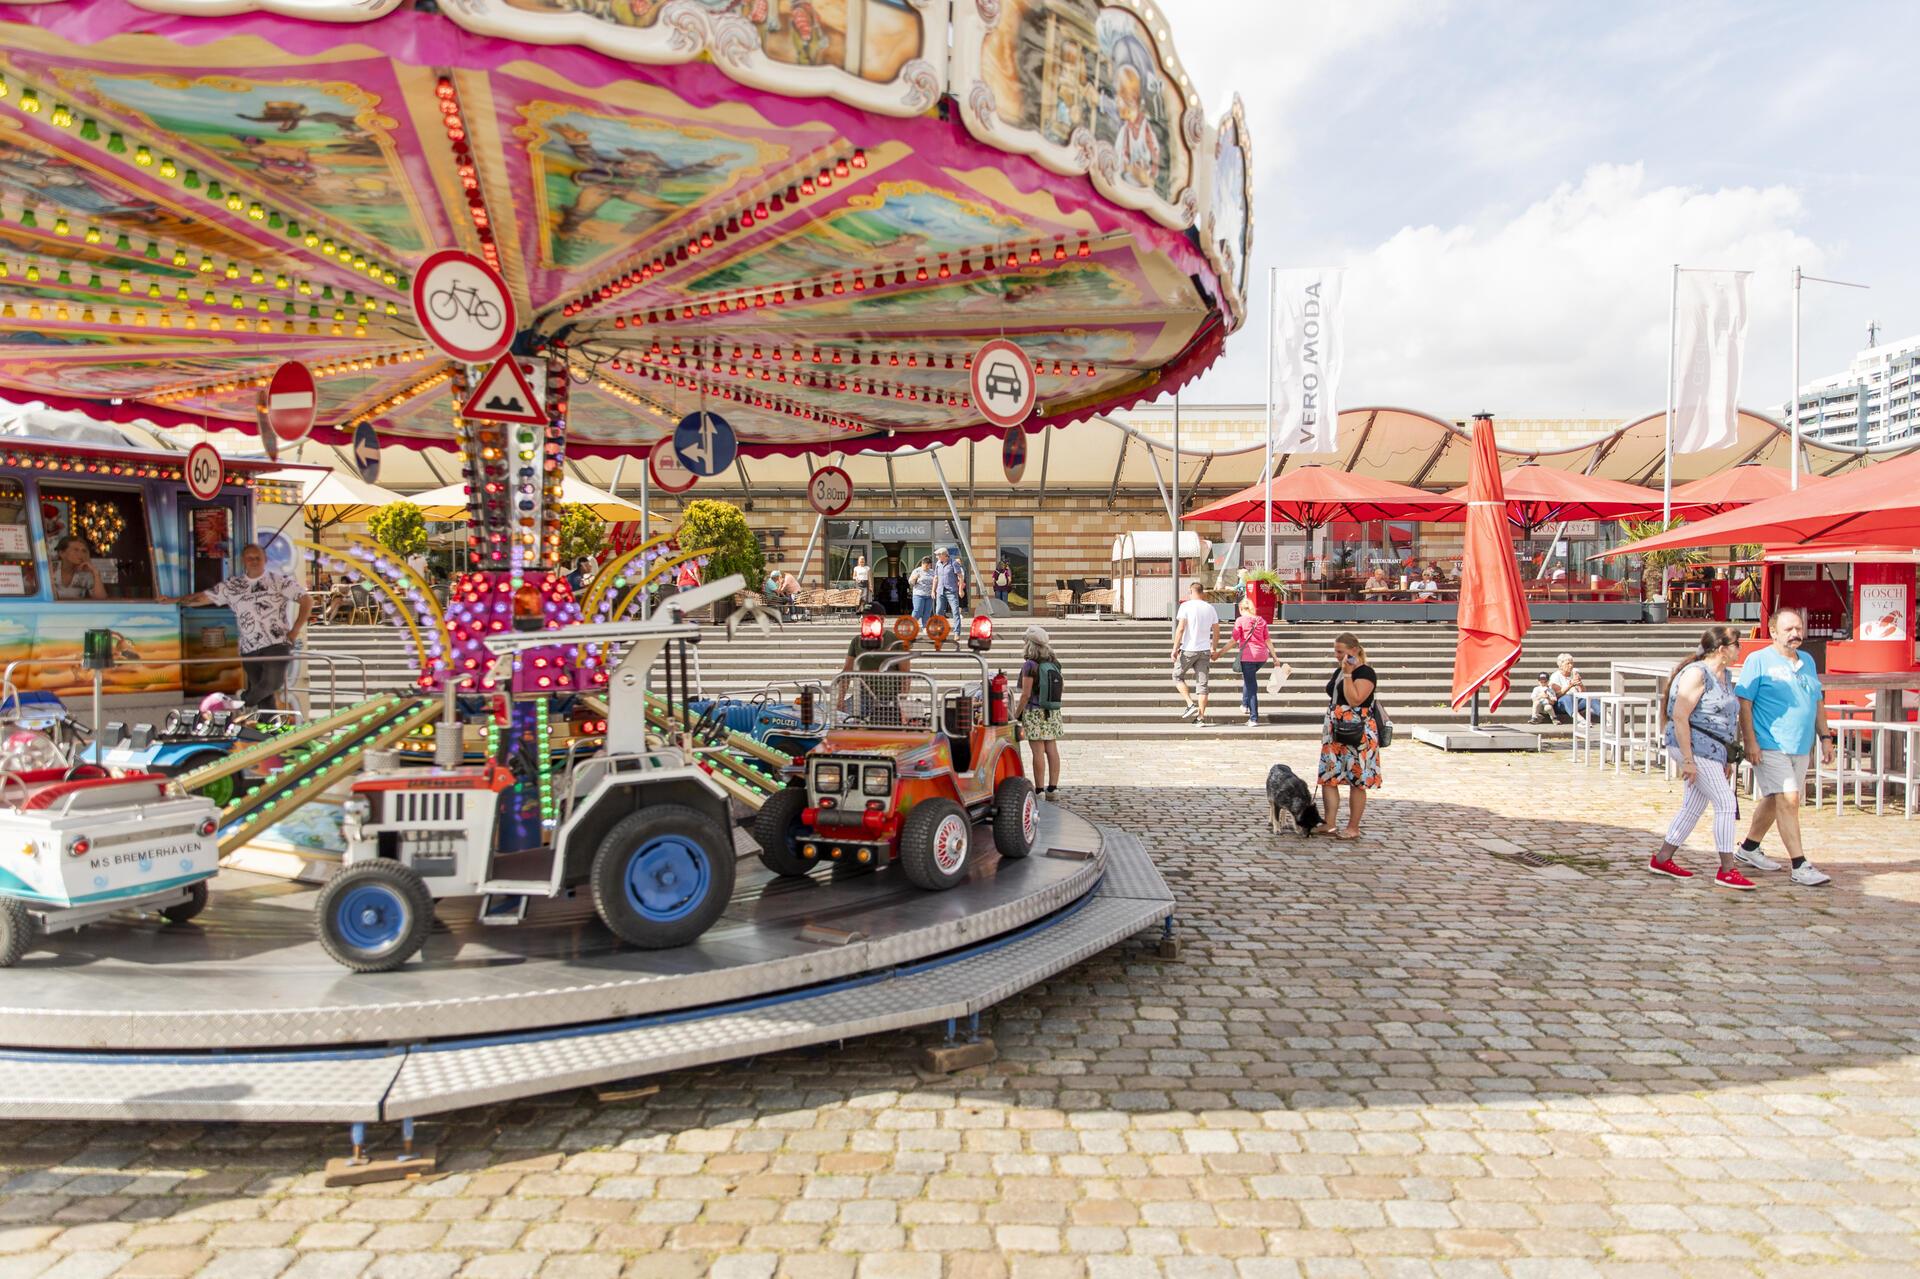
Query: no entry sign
<point>292,401</point>
<point>205,472</point>
<point>1002,383</point>
<point>463,306</point>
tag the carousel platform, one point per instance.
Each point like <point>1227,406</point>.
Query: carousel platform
<point>240,1016</point>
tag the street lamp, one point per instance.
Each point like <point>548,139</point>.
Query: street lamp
<point>1793,404</point>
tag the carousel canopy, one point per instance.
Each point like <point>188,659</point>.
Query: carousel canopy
<point>803,214</point>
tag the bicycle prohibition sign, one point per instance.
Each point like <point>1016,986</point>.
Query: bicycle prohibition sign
<point>463,306</point>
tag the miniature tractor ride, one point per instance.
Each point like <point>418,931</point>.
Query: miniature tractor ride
<point>908,766</point>
<point>639,827</point>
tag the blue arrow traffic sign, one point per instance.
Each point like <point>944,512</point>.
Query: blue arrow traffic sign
<point>705,443</point>
<point>366,452</point>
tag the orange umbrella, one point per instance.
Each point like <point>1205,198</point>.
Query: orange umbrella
<point>1879,506</point>
<point>1734,487</point>
<point>1537,495</point>
<point>1493,605</point>
<point>1311,496</point>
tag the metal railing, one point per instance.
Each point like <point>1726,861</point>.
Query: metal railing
<point>10,693</point>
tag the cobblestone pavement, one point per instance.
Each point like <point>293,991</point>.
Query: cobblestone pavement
<point>1401,1057</point>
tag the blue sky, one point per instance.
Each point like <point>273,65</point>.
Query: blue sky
<point>1508,184</point>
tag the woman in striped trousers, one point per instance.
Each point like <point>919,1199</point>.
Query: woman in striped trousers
<point>1703,718</point>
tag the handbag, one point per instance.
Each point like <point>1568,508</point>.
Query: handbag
<point>1384,723</point>
<point>1349,732</point>
<point>1735,750</point>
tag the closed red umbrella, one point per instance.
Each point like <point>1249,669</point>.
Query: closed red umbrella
<point>1734,487</point>
<point>1312,496</point>
<point>1537,495</point>
<point>1493,603</point>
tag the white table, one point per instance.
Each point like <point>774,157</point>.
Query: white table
<point>1886,686</point>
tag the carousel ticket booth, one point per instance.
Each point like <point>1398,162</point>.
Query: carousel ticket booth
<point>1142,586</point>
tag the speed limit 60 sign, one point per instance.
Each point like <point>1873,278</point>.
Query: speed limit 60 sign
<point>830,490</point>
<point>205,472</point>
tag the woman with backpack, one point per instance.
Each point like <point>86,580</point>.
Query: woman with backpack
<point>1037,708</point>
<point>1250,635</point>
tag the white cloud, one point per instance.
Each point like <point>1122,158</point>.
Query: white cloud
<point>1560,308</point>
<point>1271,52</point>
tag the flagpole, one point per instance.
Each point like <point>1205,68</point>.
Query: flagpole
<point>1793,391</point>
<point>1273,296</point>
<point>1673,336</point>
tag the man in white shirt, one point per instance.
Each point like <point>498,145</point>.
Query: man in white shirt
<point>260,601</point>
<point>1196,632</point>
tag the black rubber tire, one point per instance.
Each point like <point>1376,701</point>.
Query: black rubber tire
<point>918,859</point>
<point>181,912</point>
<point>774,828</point>
<point>1010,833</point>
<point>404,883</point>
<point>628,837</point>
<point>17,930</point>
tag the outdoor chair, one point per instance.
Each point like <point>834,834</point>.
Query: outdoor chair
<point>1095,600</point>
<point>1060,602</point>
<point>362,604</point>
<point>844,602</point>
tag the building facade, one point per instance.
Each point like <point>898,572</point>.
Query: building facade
<point>1874,404</point>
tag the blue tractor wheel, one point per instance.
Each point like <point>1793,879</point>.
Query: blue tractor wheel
<point>373,916</point>
<point>662,876</point>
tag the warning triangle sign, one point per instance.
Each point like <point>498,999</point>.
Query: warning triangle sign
<point>505,396</point>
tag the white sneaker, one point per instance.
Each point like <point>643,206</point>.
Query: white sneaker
<point>1807,875</point>
<point>1190,712</point>
<point>1253,723</point>
<point>1755,858</point>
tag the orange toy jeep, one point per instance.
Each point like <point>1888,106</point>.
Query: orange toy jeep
<point>908,765</point>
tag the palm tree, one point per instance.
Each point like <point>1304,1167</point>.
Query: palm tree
<point>1654,564</point>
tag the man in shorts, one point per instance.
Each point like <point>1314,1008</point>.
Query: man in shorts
<point>1781,714</point>
<point>1196,633</point>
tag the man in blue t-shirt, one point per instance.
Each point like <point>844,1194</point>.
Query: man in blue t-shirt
<point>947,575</point>
<point>1782,712</point>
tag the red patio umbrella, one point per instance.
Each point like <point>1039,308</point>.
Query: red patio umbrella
<point>1537,495</point>
<point>1311,496</point>
<point>1734,487</point>
<point>1493,603</point>
<point>1879,506</point>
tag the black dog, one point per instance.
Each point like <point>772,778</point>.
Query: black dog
<point>1287,793</point>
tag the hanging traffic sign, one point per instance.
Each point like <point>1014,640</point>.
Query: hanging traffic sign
<point>505,395</point>
<point>705,443</point>
<point>463,306</point>
<point>206,473</point>
<point>292,401</point>
<point>1013,454</point>
<point>1002,383</point>
<point>830,491</point>
<point>665,469</point>
<point>366,452</point>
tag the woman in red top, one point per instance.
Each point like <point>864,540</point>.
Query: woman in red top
<point>1250,634</point>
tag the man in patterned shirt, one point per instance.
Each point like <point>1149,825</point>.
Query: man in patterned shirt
<point>259,601</point>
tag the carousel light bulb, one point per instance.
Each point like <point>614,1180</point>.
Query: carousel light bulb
<point>233,270</point>
<point>143,156</point>
<point>310,240</point>
<point>62,117</point>
<point>168,169</point>
<point>235,203</point>
<point>30,101</point>
<point>257,212</point>
<point>60,226</point>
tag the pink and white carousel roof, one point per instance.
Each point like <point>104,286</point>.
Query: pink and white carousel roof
<point>804,213</point>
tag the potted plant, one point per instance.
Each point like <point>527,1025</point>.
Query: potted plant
<point>1265,588</point>
<point>1654,564</point>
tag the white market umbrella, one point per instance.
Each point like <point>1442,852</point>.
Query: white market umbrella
<point>450,502</point>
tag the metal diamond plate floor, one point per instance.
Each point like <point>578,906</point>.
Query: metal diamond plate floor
<point>994,949</point>
<point>249,974</point>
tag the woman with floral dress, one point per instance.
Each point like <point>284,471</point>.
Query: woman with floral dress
<point>1354,762</point>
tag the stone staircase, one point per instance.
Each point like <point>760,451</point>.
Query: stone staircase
<point>1118,673</point>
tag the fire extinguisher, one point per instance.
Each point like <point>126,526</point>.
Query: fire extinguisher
<point>997,698</point>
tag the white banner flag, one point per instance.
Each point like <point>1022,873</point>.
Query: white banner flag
<point>1306,361</point>
<point>1710,336</point>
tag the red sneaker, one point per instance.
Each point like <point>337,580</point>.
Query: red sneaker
<point>1733,879</point>
<point>1670,868</point>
